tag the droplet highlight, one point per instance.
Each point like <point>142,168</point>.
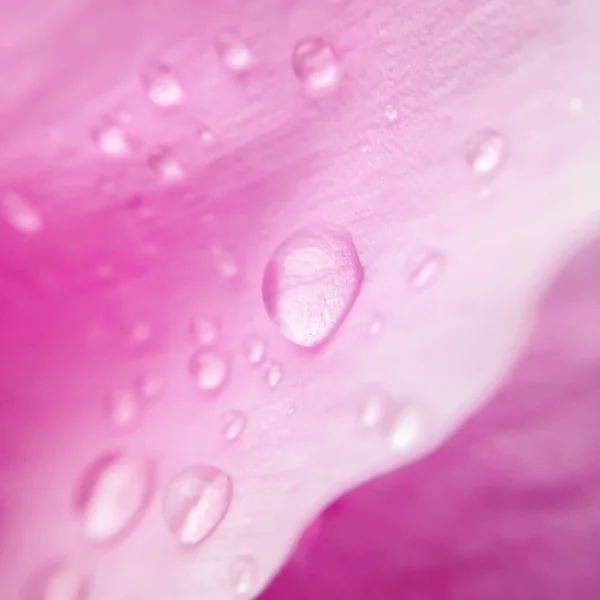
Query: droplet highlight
<point>234,53</point>
<point>273,373</point>
<point>224,263</point>
<point>57,581</point>
<point>205,332</point>
<point>166,167</point>
<point>391,113</point>
<point>113,496</point>
<point>316,66</point>
<point>254,349</point>
<point>163,87</point>
<point>244,575</point>
<point>426,269</point>
<point>209,370</point>
<point>111,140</point>
<point>21,215</point>
<point>195,502</point>
<point>123,408</point>
<point>233,424</point>
<point>310,284</point>
<point>486,152</point>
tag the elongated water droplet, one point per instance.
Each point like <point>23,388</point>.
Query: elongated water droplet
<point>209,370</point>
<point>234,53</point>
<point>486,152</point>
<point>244,574</point>
<point>124,410</point>
<point>373,409</point>
<point>405,430</point>
<point>254,350</point>
<point>20,214</point>
<point>426,269</point>
<point>195,502</point>
<point>162,87</point>
<point>316,66</point>
<point>273,373</point>
<point>57,581</point>
<point>111,139</point>
<point>113,496</point>
<point>310,284</point>
<point>233,424</point>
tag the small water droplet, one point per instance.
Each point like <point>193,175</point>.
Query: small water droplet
<point>290,409</point>
<point>426,269</point>
<point>57,581</point>
<point>310,284</point>
<point>234,53</point>
<point>124,410</point>
<point>113,496</point>
<point>243,575</point>
<point>316,66</point>
<point>205,332</point>
<point>376,326</point>
<point>206,135</point>
<point>162,87</point>
<point>224,263</point>
<point>151,387</point>
<point>373,409</point>
<point>233,424</point>
<point>486,152</point>
<point>166,166</point>
<point>209,370</point>
<point>254,350</point>
<point>111,139</point>
<point>20,214</point>
<point>391,113</point>
<point>273,373</point>
<point>195,502</point>
<point>405,430</point>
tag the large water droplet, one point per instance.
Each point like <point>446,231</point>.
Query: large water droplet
<point>195,502</point>
<point>243,575</point>
<point>124,410</point>
<point>209,370</point>
<point>58,581</point>
<point>486,152</point>
<point>113,496</point>
<point>310,284</point>
<point>234,53</point>
<point>233,424</point>
<point>254,349</point>
<point>162,87</point>
<point>20,214</point>
<point>111,139</point>
<point>316,66</point>
<point>426,269</point>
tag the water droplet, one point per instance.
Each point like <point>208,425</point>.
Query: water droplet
<point>273,373</point>
<point>373,408</point>
<point>111,140</point>
<point>20,214</point>
<point>376,326</point>
<point>233,424</point>
<point>113,496</point>
<point>209,370</point>
<point>316,66</point>
<point>58,581</point>
<point>205,332</point>
<point>124,410</point>
<point>426,269</point>
<point>243,574</point>
<point>405,430</point>
<point>310,284</point>
<point>224,263</point>
<point>151,387</point>
<point>486,152</point>
<point>195,502</point>
<point>290,409</point>
<point>166,166</point>
<point>391,113</point>
<point>234,53</point>
<point>206,135</point>
<point>254,350</point>
<point>162,87</point>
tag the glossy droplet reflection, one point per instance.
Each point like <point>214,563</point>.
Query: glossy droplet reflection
<point>162,87</point>
<point>254,349</point>
<point>486,152</point>
<point>57,581</point>
<point>195,502</point>
<point>234,53</point>
<point>405,431</point>
<point>19,214</point>
<point>124,410</point>
<point>205,332</point>
<point>113,496</point>
<point>426,269</point>
<point>111,139</point>
<point>243,575</point>
<point>273,373</point>
<point>310,284</point>
<point>166,167</point>
<point>316,66</point>
<point>233,424</point>
<point>209,371</point>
